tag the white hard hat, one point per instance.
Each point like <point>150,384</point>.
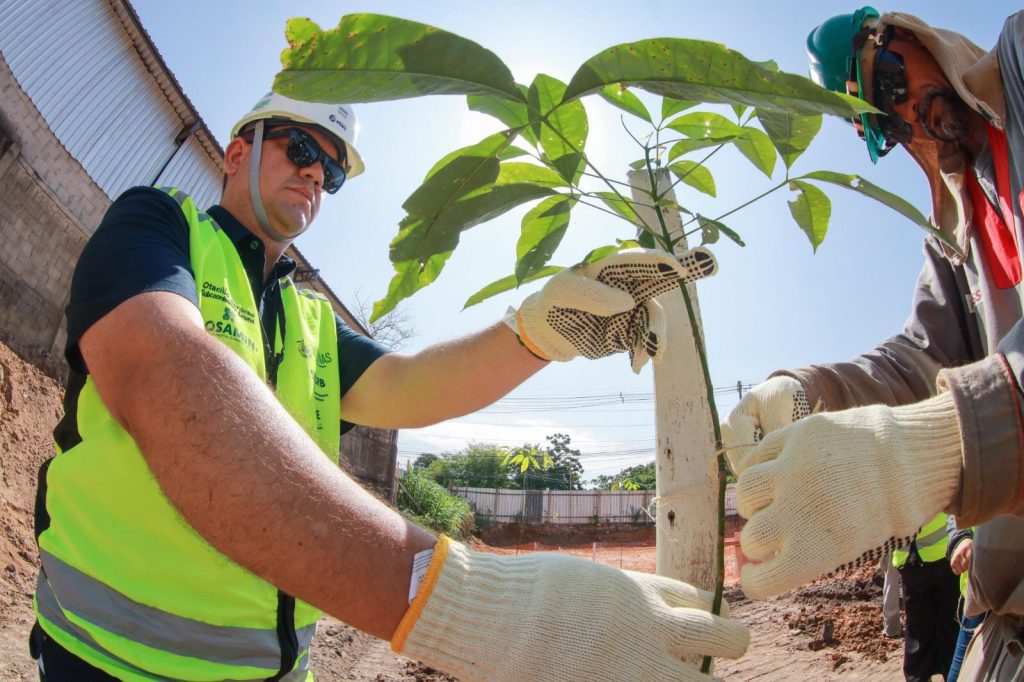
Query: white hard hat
<point>336,120</point>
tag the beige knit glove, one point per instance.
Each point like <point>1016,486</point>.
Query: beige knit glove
<point>608,306</point>
<point>837,489</point>
<point>554,617</point>
<point>766,407</point>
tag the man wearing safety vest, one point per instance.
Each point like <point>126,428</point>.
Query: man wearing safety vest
<point>930,594</point>
<point>930,419</point>
<point>194,523</point>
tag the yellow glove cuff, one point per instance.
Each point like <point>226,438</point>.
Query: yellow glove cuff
<point>422,596</point>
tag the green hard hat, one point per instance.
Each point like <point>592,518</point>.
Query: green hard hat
<point>830,48</point>
<point>834,60</point>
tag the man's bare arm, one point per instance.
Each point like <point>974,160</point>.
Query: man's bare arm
<point>446,380</point>
<point>242,472</point>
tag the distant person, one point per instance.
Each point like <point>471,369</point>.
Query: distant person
<point>930,594</point>
<point>959,551</point>
<point>930,419</point>
<point>195,522</point>
<point>892,618</point>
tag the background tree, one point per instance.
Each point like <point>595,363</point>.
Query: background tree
<point>564,472</point>
<point>424,460</point>
<point>478,465</point>
<point>392,329</point>
<point>643,475</point>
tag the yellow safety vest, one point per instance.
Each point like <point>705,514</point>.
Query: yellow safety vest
<point>125,583</point>
<point>931,543</point>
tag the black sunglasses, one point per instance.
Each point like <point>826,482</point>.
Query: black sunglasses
<point>303,150</point>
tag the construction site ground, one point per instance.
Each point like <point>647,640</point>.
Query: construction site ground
<point>826,631</point>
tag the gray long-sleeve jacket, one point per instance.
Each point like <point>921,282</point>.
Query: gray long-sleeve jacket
<point>965,334</point>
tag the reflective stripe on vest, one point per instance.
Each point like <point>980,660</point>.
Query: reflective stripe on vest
<point>126,584</point>
<point>931,543</point>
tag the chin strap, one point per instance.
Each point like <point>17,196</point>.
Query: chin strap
<point>254,190</point>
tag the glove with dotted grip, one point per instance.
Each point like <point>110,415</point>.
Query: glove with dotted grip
<point>768,406</point>
<point>608,306</point>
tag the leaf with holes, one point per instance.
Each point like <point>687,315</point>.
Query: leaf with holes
<point>374,58</point>
<point>709,226</point>
<point>686,69</point>
<point>811,210</point>
<point>790,133</point>
<point>562,127</point>
<point>704,124</point>
<point>694,175</point>
<point>542,230</point>
<point>758,148</point>
<point>508,284</point>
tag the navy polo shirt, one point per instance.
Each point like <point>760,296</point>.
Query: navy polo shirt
<point>142,245</point>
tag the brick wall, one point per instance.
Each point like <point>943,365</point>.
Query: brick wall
<point>48,207</point>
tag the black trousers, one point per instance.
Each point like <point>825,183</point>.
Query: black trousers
<point>930,595</point>
<point>60,664</point>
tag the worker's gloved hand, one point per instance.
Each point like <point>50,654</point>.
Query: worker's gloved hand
<point>554,617</point>
<point>838,489</point>
<point>768,406</point>
<point>608,306</point>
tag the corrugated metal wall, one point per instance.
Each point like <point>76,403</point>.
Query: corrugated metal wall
<point>502,505</point>
<point>560,506</point>
<point>85,78</point>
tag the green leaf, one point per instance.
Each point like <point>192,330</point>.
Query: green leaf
<point>511,113</point>
<point>698,70</point>
<point>410,277</point>
<point>374,58</point>
<point>512,153</point>
<point>435,221</point>
<point>694,175</point>
<point>811,210</point>
<point>605,251</point>
<point>693,144</point>
<point>896,203</point>
<point>625,100</point>
<point>790,133</point>
<point>702,124</point>
<point>458,173</point>
<point>709,226</point>
<point>621,207</point>
<point>670,107</point>
<point>739,109</point>
<point>508,284</point>
<point>562,129</point>
<point>758,148</point>
<point>638,164</point>
<point>542,230</point>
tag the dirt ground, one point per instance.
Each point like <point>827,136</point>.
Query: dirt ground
<point>788,631</point>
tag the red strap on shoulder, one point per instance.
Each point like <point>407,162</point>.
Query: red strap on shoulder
<point>1000,241</point>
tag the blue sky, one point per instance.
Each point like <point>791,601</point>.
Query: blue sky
<point>774,304</point>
